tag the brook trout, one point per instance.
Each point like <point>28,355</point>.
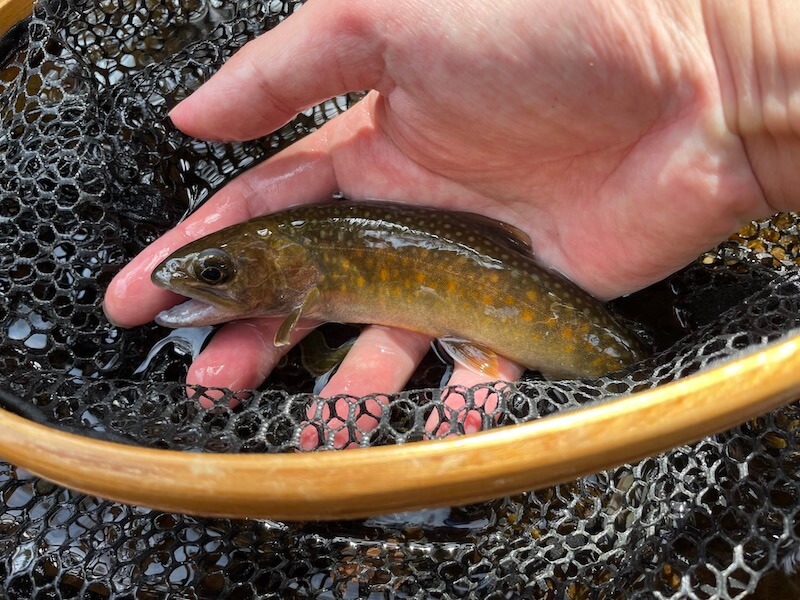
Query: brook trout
<point>466,279</point>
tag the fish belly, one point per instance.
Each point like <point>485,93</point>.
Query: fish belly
<point>510,309</point>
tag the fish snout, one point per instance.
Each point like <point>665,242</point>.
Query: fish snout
<point>169,272</point>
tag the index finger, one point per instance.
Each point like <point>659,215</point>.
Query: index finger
<point>323,50</point>
<point>299,174</point>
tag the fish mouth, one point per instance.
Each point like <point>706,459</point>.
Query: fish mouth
<point>194,313</point>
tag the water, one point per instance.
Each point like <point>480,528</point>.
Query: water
<point>186,341</point>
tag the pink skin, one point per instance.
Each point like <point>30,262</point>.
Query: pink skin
<point>240,353</point>
<point>596,127</point>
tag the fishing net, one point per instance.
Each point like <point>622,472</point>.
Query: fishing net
<point>91,170</point>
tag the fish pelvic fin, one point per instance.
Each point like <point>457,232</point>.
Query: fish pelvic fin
<point>318,357</point>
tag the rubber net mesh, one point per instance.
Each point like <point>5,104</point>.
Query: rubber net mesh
<point>91,170</point>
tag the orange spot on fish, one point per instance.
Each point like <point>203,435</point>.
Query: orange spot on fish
<point>527,316</point>
<point>360,282</point>
<point>451,286</point>
<point>420,277</point>
<point>384,274</point>
<point>567,333</point>
<point>510,300</point>
<point>532,296</point>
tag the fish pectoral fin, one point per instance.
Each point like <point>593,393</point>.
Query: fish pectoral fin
<point>475,357</point>
<point>290,322</point>
<point>286,328</point>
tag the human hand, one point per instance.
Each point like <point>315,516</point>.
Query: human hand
<point>599,130</point>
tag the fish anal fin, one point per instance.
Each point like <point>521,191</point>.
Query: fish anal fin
<point>284,332</point>
<point>475,357</point>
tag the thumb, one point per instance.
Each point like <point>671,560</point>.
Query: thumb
<point>326,48</point>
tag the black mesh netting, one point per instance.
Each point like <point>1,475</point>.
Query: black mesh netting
<point>91,170</point>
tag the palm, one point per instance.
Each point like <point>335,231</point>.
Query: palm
<point>605,152</point>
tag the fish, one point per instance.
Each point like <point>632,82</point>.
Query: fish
<point>466,279</point>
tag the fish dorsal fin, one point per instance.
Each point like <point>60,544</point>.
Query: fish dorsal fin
<point>502,233</point>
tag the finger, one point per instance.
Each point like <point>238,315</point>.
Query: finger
<point>241,355</point>
<point>301,173</point>
<point>323,50</point>
<point>455,400</point>
<point>380,362</point>
<point>348,410</point>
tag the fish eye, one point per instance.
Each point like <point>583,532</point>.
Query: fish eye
<point>213,267</point>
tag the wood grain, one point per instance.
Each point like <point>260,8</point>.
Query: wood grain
<point>12,12</point>
<point>358,483</point>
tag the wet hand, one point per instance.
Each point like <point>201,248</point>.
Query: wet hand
<point>598,130</point>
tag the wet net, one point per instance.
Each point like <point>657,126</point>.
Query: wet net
<point>91,170</point>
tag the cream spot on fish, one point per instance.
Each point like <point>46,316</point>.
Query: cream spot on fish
<point>505,312</point>
<point>429,290</point>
